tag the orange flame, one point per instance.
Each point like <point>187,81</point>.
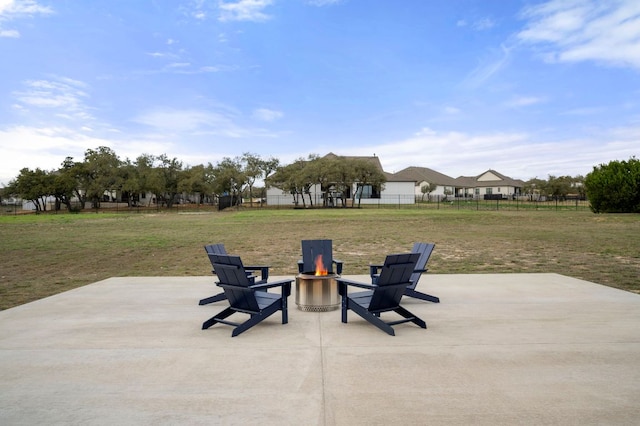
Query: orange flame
<point>320,269</point>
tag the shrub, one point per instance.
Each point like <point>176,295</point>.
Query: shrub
<point>614,187</point>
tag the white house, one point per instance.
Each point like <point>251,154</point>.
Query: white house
<point>441,184</point>
<point>396,190</point>
<point>489,184</point>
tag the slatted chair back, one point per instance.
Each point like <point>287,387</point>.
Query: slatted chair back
<point>215,249</point>
<point>233,279</point>
<point>393,280</point>
<point>310,251</point>
<point>425,250</point>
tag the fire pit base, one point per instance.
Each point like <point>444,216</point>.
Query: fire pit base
<point>317,293</point>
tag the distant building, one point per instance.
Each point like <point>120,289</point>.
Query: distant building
<point>406,186</point>
<point>396,190</point>
<point>441,184</point>
<point>490,184</point>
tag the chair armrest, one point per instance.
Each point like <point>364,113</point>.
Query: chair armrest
<point>264,271</point>
<point>373,268</point>
<point>285,284</point>
<point>271,284</point>
<point>356,284</point>
<point>301,266</point>
<point>338,264</point>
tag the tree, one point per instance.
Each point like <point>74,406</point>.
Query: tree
<point>268,167</point>
<point>534,188</point>
<point>166,177</point>
<point>559,187</point>
<point>367,174</point>
<point>294,179</point>
<point>427,189</point>
<point>64,186</point>
<point>252,169</point>
<point>32,185</point>
<point>614,187</point>
<point>100,173</point>
<point>198,180</point>
<point>323,171</point>
<point>229,178</point>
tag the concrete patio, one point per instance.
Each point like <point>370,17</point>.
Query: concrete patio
<point>499,349</point>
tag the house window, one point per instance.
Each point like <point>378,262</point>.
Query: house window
<point>489,191</point>
<point>368,191</point>
<point>143,195</point>
<point>477,191</point>
<point>499,189</point>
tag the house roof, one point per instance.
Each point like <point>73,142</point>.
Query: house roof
<point>423,174</point>
<point>373,160</point>
<point>490,178</point>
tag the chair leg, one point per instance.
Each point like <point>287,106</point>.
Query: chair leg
<point>285,310</point>
<point>372,319</point>
<point>218,297</point>
<point>345,308</point>
<point>423,296</point>
<point>222,315</point>
<point>408,315</point>
<point>255,319</point>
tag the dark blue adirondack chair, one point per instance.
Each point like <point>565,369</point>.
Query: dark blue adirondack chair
<point>384,296</point>
<point>425,250</point>
<point>310,251</point>
<point>219,249</point>
<point>245,297</point>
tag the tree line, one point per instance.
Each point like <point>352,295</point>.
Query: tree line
<point>556,187</point>
<point>101,175</point>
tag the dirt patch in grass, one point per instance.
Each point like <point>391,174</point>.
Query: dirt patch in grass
<point>47,254</point>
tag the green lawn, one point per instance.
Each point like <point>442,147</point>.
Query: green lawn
<point>47,254</point>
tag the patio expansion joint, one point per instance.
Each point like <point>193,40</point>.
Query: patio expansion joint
<point>323,375</point>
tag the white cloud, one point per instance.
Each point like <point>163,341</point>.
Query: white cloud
<point>15,9</point>
<point>571,31</point>
<point>179,65</point>
<point>174,120</point>
<point>47,147</point>
<point>495,61</point>
<point>483,24</point>
<point>63,95</point>
<point>518,155</point>
<point>480,24</point>
<point>224,122</point>
<point>9,33</point>
<point>522,101</point>
<point>264,114</point>
<point>244,10</point>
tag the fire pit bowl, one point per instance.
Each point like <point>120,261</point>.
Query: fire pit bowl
<point>317,293</point>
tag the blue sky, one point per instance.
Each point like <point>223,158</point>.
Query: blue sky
<point>528,88</point>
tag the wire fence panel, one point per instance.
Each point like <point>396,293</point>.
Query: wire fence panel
<point>384,202</point>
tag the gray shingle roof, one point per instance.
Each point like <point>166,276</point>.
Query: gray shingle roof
<point>423,174</point>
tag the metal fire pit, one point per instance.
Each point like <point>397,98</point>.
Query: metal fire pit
<point>317,293</point>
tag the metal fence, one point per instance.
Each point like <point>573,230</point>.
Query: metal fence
<point>384,202</point>
<point>440,202</point>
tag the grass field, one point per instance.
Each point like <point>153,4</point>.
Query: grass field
<point>43,255</point>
